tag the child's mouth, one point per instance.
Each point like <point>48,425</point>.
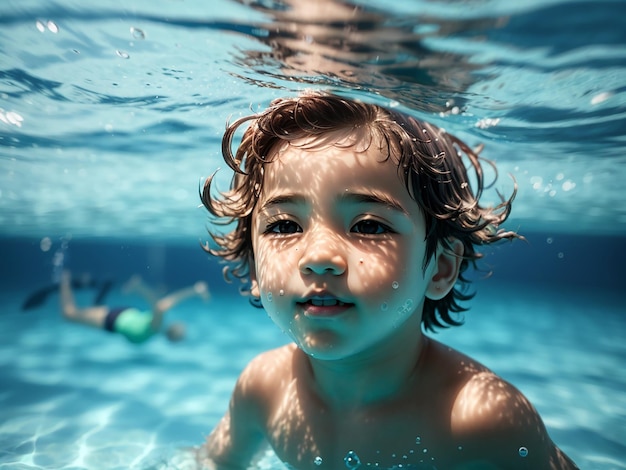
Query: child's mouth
<point>325,302</point>
<point>326,307</point>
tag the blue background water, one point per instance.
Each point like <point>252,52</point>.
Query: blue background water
<point>111,114</point>
<point>550,320</point>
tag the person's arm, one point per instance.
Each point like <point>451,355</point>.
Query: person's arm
<point>163,305</point>
<point>137,284</point>
<point>501,429</point>
<point>238,438</point>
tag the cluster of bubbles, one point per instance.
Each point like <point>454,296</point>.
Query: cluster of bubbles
<point>136,33</point>
<point>353,462</point>
<point>49,25</point>
<point>551,186</point>
<point>59,258</point>
<point>560,254</point>
<point>11,117</point>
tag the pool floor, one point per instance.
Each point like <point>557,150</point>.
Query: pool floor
<point>76,398</point>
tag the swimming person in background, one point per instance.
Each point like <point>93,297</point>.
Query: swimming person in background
<point>355,225</point>
<point>135,325</point>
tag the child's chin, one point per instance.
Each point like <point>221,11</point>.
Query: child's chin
<point>324,349</point>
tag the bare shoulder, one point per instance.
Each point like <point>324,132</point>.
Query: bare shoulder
<point>265,373</point>
<point>240,434</point>
<point>497,424</point>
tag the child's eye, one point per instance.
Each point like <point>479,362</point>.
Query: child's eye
<point>283,227</point>
<point>370,227</point>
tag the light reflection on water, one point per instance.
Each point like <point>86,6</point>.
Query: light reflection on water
<point>143,91</point>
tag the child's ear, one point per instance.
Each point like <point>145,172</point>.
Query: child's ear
<point>254,288</point>
<point>447,264</point>
<point>254,285</point>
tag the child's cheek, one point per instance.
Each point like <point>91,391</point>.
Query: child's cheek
<point>270,273</point>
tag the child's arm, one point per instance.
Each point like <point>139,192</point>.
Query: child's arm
<point>238,437</point>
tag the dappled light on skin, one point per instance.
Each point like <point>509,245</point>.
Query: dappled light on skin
<point>339,263</point>
<point>291,426</point>
<point>486,409</point>
<point>325,255</point>
<point>485,398</point>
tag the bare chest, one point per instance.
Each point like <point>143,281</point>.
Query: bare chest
<point>308,436</point>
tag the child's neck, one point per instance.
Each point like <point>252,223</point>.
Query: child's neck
<point>374,378</point>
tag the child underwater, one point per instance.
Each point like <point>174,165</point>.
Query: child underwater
<point>354,228</point>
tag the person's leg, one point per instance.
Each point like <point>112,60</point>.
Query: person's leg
<point>92,316</point>
<point>163,305</point>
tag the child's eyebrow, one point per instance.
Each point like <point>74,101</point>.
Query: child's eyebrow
<point>373,198</point>
<point>282,199</point>
<point>345,198</point>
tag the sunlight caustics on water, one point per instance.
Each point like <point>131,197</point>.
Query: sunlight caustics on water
<point>114,111</point>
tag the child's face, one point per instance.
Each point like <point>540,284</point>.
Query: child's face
<point>339,248</point>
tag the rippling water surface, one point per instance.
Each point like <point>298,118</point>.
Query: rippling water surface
<point>111,112</point>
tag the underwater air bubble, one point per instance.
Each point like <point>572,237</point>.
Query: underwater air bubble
<point>601,97</point>
<point>281,292</point>
<point>122,54</point>
<point>418,440</point>
<point>384,306</point>
<point>537,182</point>
<point>52,27</point>
<point>45,244</point>
<point>352,460</point>
<point>318,461</point>
<point>395,284</point>
<point>523,451</point>
<point>137,33</point>
<point>568,185</point>
<point>269,296</point>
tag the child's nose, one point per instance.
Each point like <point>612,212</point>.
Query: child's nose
<point>323,256</point>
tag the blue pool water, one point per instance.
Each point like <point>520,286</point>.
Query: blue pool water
<point>550,320</point>
<point>111,114</point>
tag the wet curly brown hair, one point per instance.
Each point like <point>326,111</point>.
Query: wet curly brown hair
<point>430,162</point>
